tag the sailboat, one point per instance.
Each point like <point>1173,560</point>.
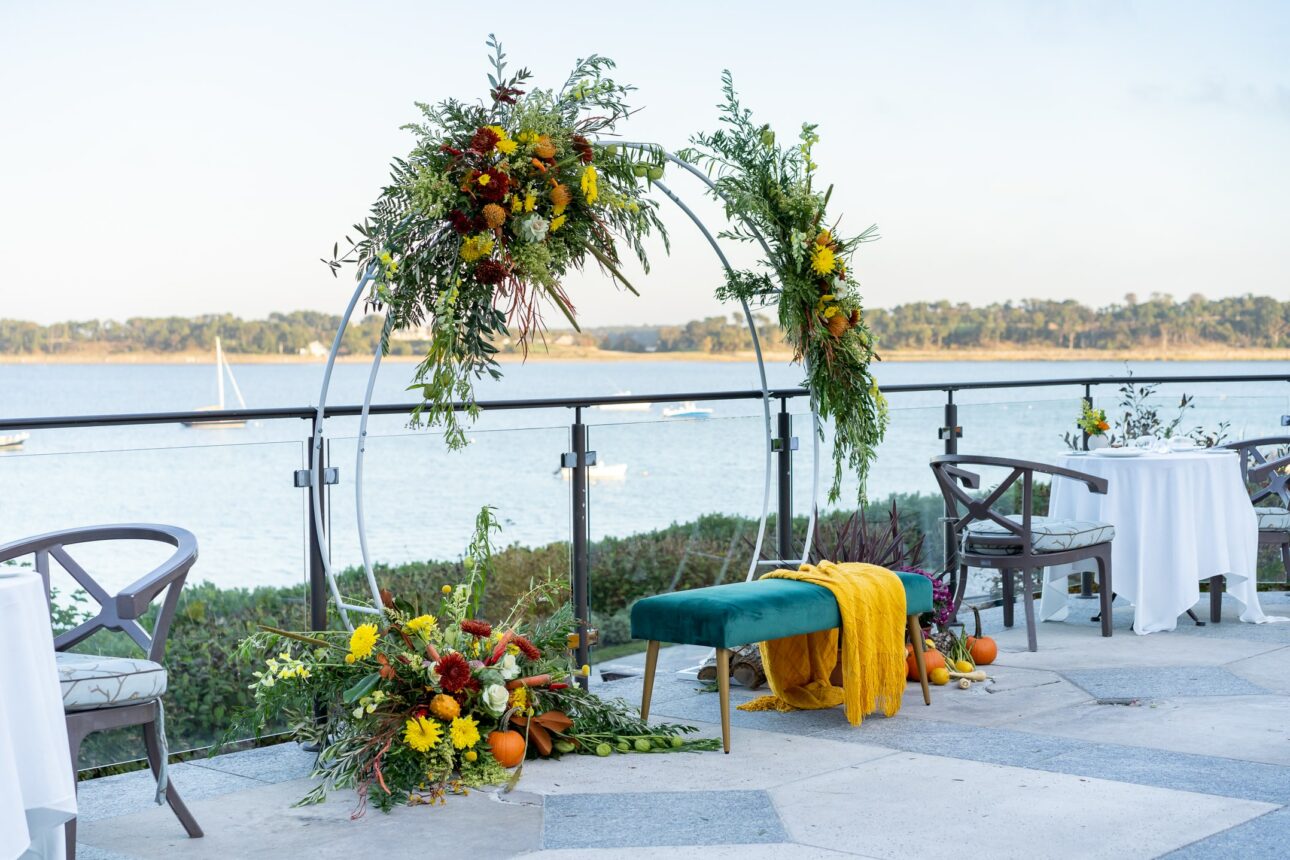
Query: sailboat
<point>221,367</point>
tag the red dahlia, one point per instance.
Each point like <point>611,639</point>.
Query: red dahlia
<point>454,672</point>
<point>482,629</point>
<point>583,147</point>
<point>489,272</point>
<point>527,648</point>
<point>484,140</point>
<point>460,221</point>
<point>499,185</point>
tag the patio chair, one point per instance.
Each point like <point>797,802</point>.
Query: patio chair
<point>102,692</point>
<point>1021,543</point>
<point>1267,479</point>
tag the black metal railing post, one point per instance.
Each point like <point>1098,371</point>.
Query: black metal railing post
<point>1086,576</point>
<point>318,597</point>
<point>783,445</point>
<point>950,434</point>
<point>577,461</point>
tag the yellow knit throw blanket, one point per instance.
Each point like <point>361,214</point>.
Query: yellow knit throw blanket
<point>871,601</point>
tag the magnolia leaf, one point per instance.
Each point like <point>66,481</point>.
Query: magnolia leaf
<point>362,687</point>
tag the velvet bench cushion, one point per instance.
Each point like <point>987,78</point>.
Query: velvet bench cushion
<point>727,616</point>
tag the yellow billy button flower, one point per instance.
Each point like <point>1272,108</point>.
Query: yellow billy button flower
<point>586,670</point>
<point>557,223</point>
<point>361,642</point>
<point>471,755</point>
<point>447,589</point>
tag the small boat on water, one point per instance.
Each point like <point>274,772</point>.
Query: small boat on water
<point>688,409</point>
<point>221,367</point>
<point>623,407</point>
<point>599,472</point>
<point>13,440</point>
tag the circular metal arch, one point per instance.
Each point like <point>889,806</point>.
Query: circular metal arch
<point>316,477</point>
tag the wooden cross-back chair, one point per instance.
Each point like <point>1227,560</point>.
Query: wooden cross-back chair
<point>1019,543</point>
<point>103,692</point>
<point>1269,483</point>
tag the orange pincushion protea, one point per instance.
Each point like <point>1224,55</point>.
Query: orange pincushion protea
<point>494,216</point>
<point>544,148</point>
<point>561,196</point>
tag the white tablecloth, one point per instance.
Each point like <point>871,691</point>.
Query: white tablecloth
<point>1179,518</point>
<point>37,787</point>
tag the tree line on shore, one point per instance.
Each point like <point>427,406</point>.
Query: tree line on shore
<point>1159,322</point>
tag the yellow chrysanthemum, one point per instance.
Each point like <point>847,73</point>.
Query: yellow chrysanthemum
<point>557,223</point>
<point>362,641</point>
<point>519,697</point>
<point>464,732</point>
<point>516,204</point>
<point>506,146</point>
<point>530,201</point>
<point>588,184</point>
<point>422,624</point>
<point>422,734</point>
<point>822,260</point>
<point>477,246</point>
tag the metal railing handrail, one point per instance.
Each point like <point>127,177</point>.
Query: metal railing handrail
<point>354,410</point>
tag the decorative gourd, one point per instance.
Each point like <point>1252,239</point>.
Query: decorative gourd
<point>982,648</point>
<point>507,747</point>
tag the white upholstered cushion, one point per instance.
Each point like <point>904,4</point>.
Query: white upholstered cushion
<point>1046,535</point>
<point>94,681</point>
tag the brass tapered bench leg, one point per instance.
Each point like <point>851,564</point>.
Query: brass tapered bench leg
<point>651,663</point>
<point>916,639</point>
<point>723,688</point>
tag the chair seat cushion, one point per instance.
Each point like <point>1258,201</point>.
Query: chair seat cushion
<point>94,681</point>
<point>1273,519</point>
<point>1046,535</point>
<point>727,616</point>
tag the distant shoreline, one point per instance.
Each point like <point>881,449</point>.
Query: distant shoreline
<point>592,354</point>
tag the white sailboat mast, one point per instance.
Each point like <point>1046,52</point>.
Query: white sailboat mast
<point>219,371</point>
<point>237,392</point>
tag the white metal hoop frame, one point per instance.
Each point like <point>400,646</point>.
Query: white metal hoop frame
<point>345,607</point>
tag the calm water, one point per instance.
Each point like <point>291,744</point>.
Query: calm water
<point>233,487</point>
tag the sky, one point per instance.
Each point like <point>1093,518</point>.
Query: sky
<point>185,158</point>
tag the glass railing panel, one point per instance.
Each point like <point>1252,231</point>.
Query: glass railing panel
<point>421,501</point>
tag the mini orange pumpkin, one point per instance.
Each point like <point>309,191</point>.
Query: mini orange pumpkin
<point>983,650</point>
<point>507,747</point>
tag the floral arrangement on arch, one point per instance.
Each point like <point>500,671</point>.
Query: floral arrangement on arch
<point>770,198</point>
<point>496,203</point>
<point>421,704</point>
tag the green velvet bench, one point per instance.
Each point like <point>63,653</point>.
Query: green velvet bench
<point>728,616</point>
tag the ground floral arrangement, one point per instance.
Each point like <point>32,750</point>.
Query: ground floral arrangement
<point>427,703</point>
<point>500,200</point>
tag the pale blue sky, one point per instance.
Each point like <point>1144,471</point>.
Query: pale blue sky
<point>182,158</point>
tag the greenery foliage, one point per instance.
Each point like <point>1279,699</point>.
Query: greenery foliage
<point>496,203</point>
<point>769,195</point>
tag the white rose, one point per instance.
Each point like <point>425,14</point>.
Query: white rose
<point>510,667</point>
<point>495,698</point>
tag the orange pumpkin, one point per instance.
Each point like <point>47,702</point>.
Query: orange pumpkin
<point>507,747</point>
<point>931,660</point>
<point>983,650</point>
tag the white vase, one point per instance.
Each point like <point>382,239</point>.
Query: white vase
<point>1101,440</point>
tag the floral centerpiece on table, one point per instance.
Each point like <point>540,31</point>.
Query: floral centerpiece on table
<point>770,196</point>
<point>496,203</point>
<point>1093,422</point>
<point>426,702</point>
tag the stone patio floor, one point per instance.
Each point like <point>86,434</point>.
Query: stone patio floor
<point>1175,744</point>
